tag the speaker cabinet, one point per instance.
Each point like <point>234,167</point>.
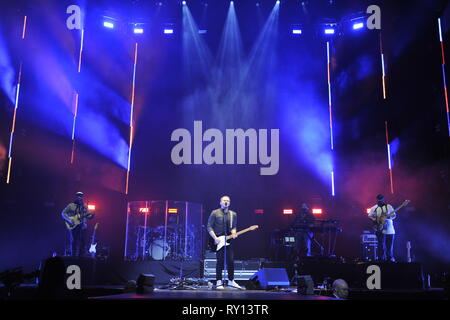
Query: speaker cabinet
<point>268,278</point>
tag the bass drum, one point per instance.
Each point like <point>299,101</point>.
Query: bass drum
<point>159,250</point>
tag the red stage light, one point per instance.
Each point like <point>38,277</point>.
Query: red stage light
<point>368,210</point>
<point>173,210</point>
<point>91,207</point>
<point>259,211</point>
<point>317,211</point>
<point>144,210</point>
<point>288,211</point>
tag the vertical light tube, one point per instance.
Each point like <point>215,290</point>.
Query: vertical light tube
<point>186,217</point>
<point>330,111</point>
<point>330,108</point>
<point>145,232</point>
<point>16,105</point>
<point>444,76</point>
<point>75,109</point>
<point>383,69</point>
<point>165,229</point>
<point>131,118</point>
<point>389,157</point>
<point>126,233</point>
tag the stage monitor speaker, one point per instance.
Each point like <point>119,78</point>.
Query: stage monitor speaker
<point>268,278</point>
<point>145,283</point>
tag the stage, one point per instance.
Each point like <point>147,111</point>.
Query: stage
<point>95,293</point>
<point>206,294</point>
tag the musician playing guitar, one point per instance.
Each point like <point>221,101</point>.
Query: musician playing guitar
<point>223,222</point>
<point>76,214</point>
<point>383,215</point>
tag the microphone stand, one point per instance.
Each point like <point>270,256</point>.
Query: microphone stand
<point>225,246</point>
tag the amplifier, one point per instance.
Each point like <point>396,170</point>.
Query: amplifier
<point>243,269</point>
<point>369,251</point>
<point>368,238</point>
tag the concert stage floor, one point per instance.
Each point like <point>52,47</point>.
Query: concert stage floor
<point>94,293</point>
<point>206,294</point>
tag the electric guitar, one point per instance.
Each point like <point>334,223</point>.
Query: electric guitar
<point>379,223</point>
<point>92,249</point>
<point>223,240</point>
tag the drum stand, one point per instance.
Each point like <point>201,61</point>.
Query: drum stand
<point>182,283</point>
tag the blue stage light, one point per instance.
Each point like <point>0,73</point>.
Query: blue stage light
<point>108,24</point>
<point>202,31</point>
<point>296,31</point>
<point>168,31</point>
<point>358,25</point>
<point>329,31</point>
<point>184,3</point>
<point>138,30</point>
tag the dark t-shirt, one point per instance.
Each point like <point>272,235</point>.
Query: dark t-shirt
<point>217,219</point>
<point>303,219</point>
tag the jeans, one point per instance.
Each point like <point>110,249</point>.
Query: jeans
<point>303,240</point>
<point>385,246</point>
<point>229,262</point>
<point>77,241</point>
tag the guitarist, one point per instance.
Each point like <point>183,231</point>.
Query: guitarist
<point>77,234</point>
<point>385,236</point>
<point>223,222</point>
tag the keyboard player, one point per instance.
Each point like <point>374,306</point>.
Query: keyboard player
<point>302,224</point>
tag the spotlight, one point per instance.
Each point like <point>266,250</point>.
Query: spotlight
<point>278,1</point>
<point>108,24</point>
<point>358,25</point>
<point>329,31</point>
<point>296,31</point>
<point>232,3</point>
<point>317,211</point>
<point>138,30</point>
<point>288,211</point>
<point>144,210</point>
<point>184,3</point>
<point>168,28</point>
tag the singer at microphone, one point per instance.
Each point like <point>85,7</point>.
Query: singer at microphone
<point>223,222</point>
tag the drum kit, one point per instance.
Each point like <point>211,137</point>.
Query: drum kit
<point>170,243</point>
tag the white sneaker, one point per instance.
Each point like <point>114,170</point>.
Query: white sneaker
<point>219,285</point>
<point>232,283</point>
